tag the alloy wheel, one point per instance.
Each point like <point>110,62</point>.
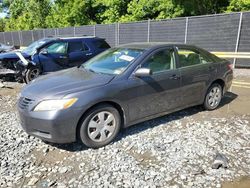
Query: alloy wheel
<point>34,73</point>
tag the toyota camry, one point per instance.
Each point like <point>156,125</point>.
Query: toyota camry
<point>120,87</point>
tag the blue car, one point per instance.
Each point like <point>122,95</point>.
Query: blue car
<point>49,55</point>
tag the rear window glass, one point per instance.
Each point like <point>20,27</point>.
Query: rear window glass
<point>101,44</point>
<point>76,46</point>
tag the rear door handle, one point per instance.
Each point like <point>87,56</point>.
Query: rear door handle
<point>174,77</point>
<point>88,54</point>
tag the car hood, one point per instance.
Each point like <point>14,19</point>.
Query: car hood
<point>4,47</point>
<point>12,55</point>
<point>59,84</point>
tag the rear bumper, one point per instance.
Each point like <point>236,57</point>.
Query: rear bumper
<point>56,127</point>
<point>228,82</point>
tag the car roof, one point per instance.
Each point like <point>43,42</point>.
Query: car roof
<point>75,38</point>
<point>149,45</point>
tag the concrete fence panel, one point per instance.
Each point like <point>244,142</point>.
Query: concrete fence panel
<point>108,32</point>
<point>133,32</point>
<point>214,33</point>
<point>168,30</point>
<point>87,30</point>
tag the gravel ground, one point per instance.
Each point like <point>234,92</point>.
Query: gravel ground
<point>177,150</point>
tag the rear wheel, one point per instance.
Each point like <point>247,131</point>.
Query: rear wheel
<point>100,126</point>
<point>213,97</point>
<point>31,74</point>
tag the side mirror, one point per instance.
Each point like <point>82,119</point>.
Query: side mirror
<point>142,72</point>
<point>44,51</point>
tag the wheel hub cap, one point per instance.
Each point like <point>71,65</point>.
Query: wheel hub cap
<point>214,96</point>
<point>101,126</point>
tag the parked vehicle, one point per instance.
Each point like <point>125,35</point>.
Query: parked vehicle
<point>6,48</point>
<point>49,55</point>
<point>120,87</point>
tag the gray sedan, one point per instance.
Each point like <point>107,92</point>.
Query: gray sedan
<point>121,87</point>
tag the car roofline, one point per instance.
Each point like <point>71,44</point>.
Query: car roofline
<point>73,37</point>
<point>150,45</point>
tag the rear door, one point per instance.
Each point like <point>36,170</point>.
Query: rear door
<point>54,56</point>
<point>78,53</point>
<point>99,45</point>
<point>159,92</point>
<point>196,72</point>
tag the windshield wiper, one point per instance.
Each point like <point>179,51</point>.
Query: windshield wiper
<point>91,70</point>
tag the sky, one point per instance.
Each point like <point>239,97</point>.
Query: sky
<point>2,14</point>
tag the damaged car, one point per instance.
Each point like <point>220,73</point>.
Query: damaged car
<point>49,55</point>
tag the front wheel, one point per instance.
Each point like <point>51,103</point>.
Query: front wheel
<point>213,97</point>
<point>31,74</point>
<point>100,126</point>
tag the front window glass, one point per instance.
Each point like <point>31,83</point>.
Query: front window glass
<point>112,61</point>
<point>58,48</point>
<point>160,61</point>
<point>33,46</point>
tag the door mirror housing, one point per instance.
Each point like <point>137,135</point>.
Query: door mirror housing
<point>44,51</point>
<point>143,72</point>
<point>36,51</point>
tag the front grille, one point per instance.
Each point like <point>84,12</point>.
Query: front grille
<point>8,64</point>
<point>24,103</point>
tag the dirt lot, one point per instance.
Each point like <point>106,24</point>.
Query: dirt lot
<point>176,150</point>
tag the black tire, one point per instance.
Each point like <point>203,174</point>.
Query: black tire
<point>209,103</point>
<point>31,74</point>
<point>84,130</point>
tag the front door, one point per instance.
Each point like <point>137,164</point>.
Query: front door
<point>54,57</point>
<point>157,93</point>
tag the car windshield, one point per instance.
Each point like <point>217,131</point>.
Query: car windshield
<point>33,46</point>
<point>112,61</point>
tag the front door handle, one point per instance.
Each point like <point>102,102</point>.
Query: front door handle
<point>174,77</point>
<point>62,57</point>
<point>88,54</point>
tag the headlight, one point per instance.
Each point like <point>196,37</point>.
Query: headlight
<point>50,105</point>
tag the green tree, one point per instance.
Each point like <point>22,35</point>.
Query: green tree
<point>202,7</point>
<point>110,11</point>
<point>30,14</point>
<point>2,24</point>
<point>4,5</point>
<point>238,5</point>
<point>27,14</point>
<point>70,13</point>
<point>151,9</point>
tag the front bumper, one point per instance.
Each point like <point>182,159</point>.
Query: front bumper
<point>16,74</point>
<point>4,71</point>
<point>52,126</point>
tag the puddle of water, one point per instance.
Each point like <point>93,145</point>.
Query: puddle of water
<point>243,182</point>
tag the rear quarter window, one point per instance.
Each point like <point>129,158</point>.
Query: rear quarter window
<point>101,44</point>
